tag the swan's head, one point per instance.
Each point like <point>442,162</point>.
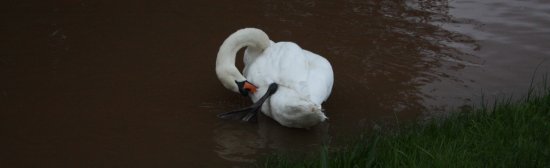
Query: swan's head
<point>232,79</point>
<point>246,87</point>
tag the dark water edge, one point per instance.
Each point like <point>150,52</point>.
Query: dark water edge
<point>509,134</point>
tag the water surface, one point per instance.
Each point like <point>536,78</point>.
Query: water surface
<point>132,83</point>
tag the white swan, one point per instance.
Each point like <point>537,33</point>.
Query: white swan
<point>303,79</point>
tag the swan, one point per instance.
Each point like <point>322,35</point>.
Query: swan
<point>286,82</point>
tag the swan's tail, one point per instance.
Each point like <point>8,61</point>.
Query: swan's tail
<point>305,115</point>
<point>293,110</point>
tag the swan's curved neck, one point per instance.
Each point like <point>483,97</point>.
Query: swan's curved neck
<point>225,62</point>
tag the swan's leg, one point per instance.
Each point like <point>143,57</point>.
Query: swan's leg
<point>244,114</point>
<point>250,113</point>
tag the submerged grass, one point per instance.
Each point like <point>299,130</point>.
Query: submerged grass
<point>507,134</point>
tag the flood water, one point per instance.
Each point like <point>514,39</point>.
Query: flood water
<point>132,83</point>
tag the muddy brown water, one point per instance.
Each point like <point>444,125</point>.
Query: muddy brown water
<point>132,83</point>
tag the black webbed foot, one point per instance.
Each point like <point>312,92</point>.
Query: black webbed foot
<point>244,114</point>
<point>250,113</point>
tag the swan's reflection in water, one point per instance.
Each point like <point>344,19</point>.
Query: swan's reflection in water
<point>241,142</point>
<point>237,144</point>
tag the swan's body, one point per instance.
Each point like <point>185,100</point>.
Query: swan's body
<point>304,79</point>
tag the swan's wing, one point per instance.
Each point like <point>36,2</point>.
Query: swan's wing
<point>284,63</point>
<point>320,79</point>
<point>293,67</point>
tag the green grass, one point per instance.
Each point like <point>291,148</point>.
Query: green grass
<point>507,134</point>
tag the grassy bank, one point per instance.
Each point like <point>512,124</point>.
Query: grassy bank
<point>508,134</point>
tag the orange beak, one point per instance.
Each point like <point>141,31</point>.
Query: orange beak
<point>250,87</point>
